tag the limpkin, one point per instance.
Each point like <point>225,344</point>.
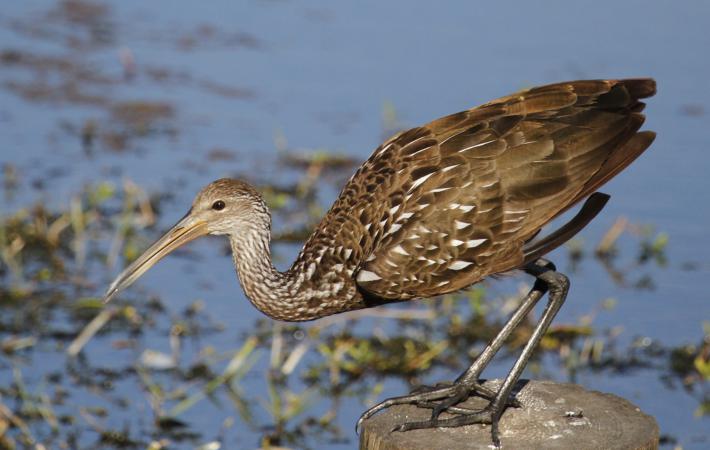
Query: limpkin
<point>434,210</point>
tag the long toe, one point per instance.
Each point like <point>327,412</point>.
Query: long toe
<point>480,417</point>
<point>411,399</point>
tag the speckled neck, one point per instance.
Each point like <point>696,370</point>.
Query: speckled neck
<point>295,295</point>
<point>268,289</point>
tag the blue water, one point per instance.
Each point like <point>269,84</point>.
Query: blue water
<point>320,74</point>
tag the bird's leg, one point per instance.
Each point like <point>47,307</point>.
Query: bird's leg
<point>558,285</point>
<point>467,383</point>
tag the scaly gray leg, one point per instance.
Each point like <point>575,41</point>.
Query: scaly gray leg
<point>558,285</point>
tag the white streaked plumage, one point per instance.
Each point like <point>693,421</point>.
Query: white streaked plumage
<point>399,249</point>
<point>475,242</point>
<point>458,265</point>
<point>364,276</point>
<point>420,181</point>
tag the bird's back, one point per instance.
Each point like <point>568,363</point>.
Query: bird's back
<point>439,207</point>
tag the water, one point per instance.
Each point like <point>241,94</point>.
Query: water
<point>240,74</point>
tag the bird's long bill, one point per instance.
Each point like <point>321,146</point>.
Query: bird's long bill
<point>187,229</point>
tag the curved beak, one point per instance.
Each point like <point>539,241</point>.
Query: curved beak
<point>187,229</point>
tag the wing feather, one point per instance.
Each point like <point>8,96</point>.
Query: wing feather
<point>437,208</point>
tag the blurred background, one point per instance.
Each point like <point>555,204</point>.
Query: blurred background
<point>114,114</point>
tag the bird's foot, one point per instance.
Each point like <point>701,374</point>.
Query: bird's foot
<point>445,397</point>
<point>490,415</point>
<point>462,390</point>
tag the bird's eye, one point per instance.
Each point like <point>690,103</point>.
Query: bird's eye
<point>218,205</point>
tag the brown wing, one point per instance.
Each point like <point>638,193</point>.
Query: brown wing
<point>455,200</point>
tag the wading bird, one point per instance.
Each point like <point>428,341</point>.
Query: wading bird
<point>434,210</point>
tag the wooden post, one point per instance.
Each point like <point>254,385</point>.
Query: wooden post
<point>552,416</point>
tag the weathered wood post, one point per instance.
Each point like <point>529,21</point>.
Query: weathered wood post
<point>553,416</point>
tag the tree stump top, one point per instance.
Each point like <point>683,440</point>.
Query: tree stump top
<point>552,416</point>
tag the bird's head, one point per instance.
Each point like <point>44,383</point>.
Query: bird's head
<point>230,207</point>
<point>225,206</point>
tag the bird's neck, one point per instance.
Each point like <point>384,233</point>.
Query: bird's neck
<point>290,295</point>
<point>265,286</point>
